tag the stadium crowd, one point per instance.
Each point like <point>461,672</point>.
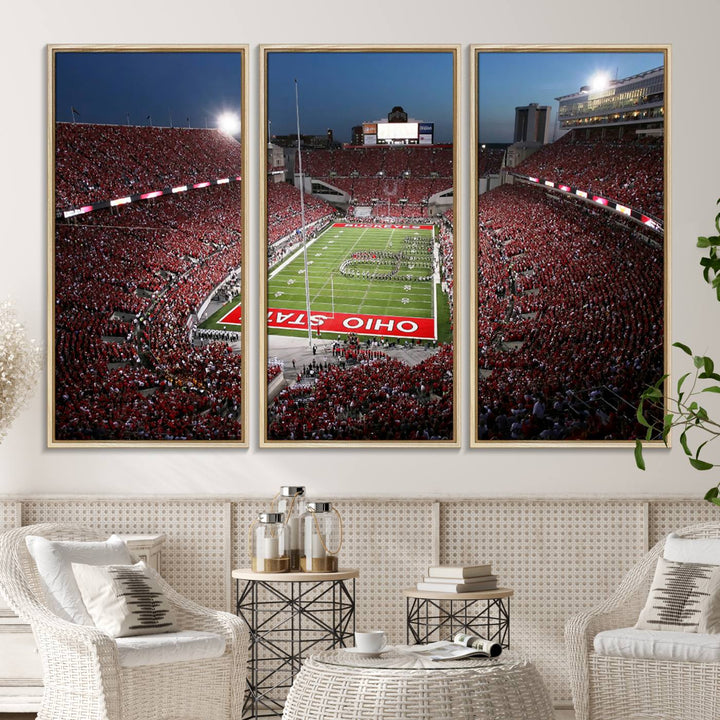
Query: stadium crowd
<point>128,285</point>
<point>570,318</point>
<point>628,171</point>
<point>102,162</point>
<point>284,216</point>
<point>490,160</point>
<point>394,181</point>
<point>376,399</point>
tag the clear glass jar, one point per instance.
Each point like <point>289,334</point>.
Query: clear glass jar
<point>291,503</point>
<point>269,549</point>
<point>322,538</point>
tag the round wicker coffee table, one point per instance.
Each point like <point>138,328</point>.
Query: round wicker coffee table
<point>341,685</point>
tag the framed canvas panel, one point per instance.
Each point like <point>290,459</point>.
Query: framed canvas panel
<point>570,248</point>
<point>147,227</point>
<point>358,215</point>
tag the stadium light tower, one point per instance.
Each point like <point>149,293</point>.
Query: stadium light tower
<point>599,82</point>
<point>229,123</point>
<point>302,216</point>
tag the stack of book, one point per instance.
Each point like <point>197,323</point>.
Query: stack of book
<point>458,579</point>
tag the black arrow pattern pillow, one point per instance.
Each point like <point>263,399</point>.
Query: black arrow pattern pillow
<point>684,597</point>
<point>124,600</point>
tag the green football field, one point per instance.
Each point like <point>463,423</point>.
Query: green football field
<point>356,271</point>
<point>356,291</point>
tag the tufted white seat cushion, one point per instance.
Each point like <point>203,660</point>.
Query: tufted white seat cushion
<point>169,648</point>
<point>658,645</point>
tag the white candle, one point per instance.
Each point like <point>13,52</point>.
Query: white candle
<point>309,532</point>
<point>318,551</point>
<point>271,548</point>
<point>259,555</point>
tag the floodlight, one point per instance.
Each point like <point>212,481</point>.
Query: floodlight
<point>599,82</point>
<point>229,123</point>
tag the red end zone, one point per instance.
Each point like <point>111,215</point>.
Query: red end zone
<point>382,226</point>
<point>344,323</point>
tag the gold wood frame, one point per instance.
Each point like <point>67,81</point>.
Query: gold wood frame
<point>265,51</point>
<point>52,52</point>
<point>475,52</point>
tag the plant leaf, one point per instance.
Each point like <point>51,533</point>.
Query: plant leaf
<point>712,493</point>
<point>683,347</point>
<point>639,461</point>
<point>701,464</point>
<point>667,426</point>
<point>684,443</point>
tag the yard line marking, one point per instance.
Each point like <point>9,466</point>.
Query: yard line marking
<point>292,257</point>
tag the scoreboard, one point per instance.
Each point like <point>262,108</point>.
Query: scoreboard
<point>398,133</point>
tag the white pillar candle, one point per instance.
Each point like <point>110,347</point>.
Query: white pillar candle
<point>318,551</point>
<point>309,532</point>
<point>259,550</point>
<point>271,548</point>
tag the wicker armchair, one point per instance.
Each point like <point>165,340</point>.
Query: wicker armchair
<point>81,671</point>
<point>614,688</point>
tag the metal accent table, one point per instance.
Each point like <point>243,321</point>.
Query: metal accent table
<point>484,613</point>
<point>289,615</point>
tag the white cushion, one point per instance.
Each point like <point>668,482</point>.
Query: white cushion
<point>692,550</point>
<point>169,648</point>
<point>124,600</point>
<point>658,645</point>
<point>54,558</point>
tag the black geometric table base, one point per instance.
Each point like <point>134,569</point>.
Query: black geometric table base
<point>429,620</point>
<point>288,620</point>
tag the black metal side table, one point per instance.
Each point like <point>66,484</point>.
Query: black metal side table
<point>289,615</point>
<point>439,615</point>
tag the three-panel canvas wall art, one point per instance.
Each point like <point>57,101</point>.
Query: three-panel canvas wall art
<point>366,336</point>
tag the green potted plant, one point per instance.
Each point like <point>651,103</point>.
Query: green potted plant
<point>684,411</point>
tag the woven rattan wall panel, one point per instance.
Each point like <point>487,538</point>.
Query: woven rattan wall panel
<point>194,552</point>
<point>8,515</point>
<point>668,515</point>
<point>391,544</point>
<point>559,557</point>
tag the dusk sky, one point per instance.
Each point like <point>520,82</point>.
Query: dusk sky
<point>340,89</point>
<point>507,80</point>
<point>105,86</point>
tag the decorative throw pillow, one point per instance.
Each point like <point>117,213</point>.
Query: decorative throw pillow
<point>53,559</point>
<point>684,597</point>
<point>124,600</point>
<point>692,550</point>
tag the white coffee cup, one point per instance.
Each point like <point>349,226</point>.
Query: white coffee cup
<point>372,641</point>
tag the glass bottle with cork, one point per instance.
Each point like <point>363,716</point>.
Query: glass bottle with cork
<point>269,547</point>
<point>291,502</point>
<point>322,537</point>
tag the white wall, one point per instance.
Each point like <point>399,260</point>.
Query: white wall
<point>27,467</point>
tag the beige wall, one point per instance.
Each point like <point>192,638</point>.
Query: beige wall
<point>27,467</point>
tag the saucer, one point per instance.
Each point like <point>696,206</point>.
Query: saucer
<point>360,653</point>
